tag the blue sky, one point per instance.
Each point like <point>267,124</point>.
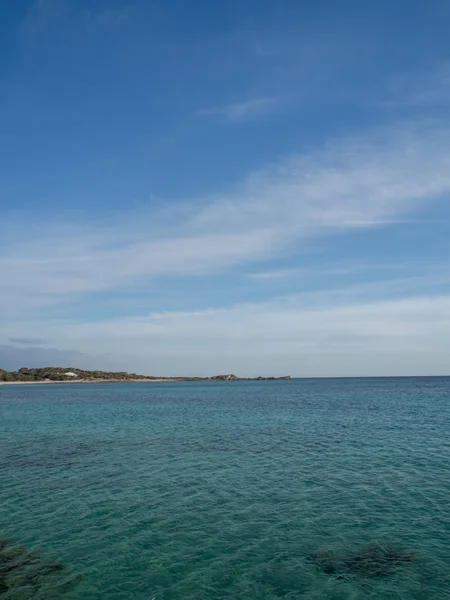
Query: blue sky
<point>259,187</point>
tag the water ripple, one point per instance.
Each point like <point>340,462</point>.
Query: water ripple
<point>223,492</point>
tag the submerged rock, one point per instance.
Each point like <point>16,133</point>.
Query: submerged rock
<point>328,562</point>
<point>372,560</point>
<point>377,560</point>
<point>25,570</point>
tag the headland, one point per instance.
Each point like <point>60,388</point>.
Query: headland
<point>44,375</point>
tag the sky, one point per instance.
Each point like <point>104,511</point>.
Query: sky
<point>258,187</point>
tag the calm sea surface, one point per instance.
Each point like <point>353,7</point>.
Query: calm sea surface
<point>226,490</point>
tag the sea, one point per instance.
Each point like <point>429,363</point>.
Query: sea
<point>324,489</point>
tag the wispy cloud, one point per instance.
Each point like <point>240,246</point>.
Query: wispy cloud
<point>342,334</point>
<point>351,184</point>
<point>253,108</point>
<point>26,341</point>
<point>43,14</point>
<point>264,51</point>
<point>336,268</point>
<point>289,319</point>
<point>275,274</point>
<point>421,89</point>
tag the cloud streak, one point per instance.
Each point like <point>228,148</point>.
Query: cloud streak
<point>276,274</point>
<point>25,341</point>
<point>340,334</point>
<point>253,108</point>
<point>351,184</point>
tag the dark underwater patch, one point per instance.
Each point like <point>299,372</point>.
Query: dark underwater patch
<point>32,574</point>
<point>372,560</point>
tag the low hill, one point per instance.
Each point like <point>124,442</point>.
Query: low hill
<point>49,374</point>
<point>66,374</point>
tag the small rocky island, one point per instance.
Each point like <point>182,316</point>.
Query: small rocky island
<point>69,374</point>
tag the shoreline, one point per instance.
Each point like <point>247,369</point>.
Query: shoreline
<point>156,380</point>
<point>65,381</point>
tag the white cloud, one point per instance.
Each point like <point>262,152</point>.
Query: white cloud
<point>355,183</point>
<point>338,268</point>
<point>246,109</point>
<point>301,335</point>
<point>351,184</point>
<point>301,319</point>
<point>276,274</point>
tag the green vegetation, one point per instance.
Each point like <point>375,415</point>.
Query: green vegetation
<point>60,374</point>
<point>70,374</point>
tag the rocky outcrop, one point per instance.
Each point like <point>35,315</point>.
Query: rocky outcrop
<point>284,378</point>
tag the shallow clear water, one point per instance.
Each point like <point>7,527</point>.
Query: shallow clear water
<point>224,490</point>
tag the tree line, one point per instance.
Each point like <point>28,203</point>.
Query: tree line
<point>59,374</point>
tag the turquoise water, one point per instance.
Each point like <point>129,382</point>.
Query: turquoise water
<point>224,491</point>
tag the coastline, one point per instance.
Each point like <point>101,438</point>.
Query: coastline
<point>65,381</point>
<point>155,380</point>
<point>44,375</point>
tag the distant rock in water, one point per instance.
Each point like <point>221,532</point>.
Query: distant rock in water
<point>372,560</point>
<point>31,576</point>
<point>229,377</point>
